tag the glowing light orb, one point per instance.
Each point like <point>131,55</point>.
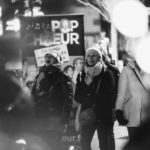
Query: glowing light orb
<point>142,54</point>
<point>21,141</point>
<point>71,148</point>
<point>130,18</point>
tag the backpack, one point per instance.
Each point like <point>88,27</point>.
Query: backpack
<point>116,74</point>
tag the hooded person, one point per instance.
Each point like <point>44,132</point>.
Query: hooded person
<point>95,88</point>
<point>52,91</point>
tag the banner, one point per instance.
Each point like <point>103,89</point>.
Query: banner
<point>44,31</point>
<point>60,51</point>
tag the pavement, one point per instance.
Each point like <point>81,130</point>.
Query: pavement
<point>121,137</point>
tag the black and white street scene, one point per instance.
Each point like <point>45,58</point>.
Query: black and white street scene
<point>74,75</point>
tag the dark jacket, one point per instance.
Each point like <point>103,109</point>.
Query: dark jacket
<point>103,100</point>
<point>54,95</point>
<point>116,74</point>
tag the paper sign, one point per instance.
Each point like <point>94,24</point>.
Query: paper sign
<point>59,51</point>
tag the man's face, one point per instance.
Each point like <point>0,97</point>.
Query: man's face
<point>79,65</point>
<point>49,60</point>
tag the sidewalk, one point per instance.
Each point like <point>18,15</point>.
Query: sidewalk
<point>121,137</point>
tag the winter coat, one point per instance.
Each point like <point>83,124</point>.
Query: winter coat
<point>53,96</point>
<point>102,100</point>
<point>133,97</point>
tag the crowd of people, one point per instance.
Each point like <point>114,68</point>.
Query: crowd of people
<point>90,94</point>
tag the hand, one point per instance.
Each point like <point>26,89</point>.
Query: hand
<point>97,69</point>
<point>120,117</point>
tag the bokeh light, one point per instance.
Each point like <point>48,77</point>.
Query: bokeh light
<point>130,17</point>
<point>142,53</point>
<point>13,25</point>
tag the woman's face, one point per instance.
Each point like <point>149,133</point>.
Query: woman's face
<point>49,60</point>
<point>92,57</point>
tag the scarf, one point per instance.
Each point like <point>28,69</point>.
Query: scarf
<point>92,72</point>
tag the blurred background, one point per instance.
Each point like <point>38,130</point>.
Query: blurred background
<point>96,20</point>
<point>99,22</point>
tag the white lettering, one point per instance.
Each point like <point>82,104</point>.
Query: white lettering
<point>57,38</point>
<point>55,25</point>
<point>65,38</point>
<point>74,24</point>
<point>74,37</point>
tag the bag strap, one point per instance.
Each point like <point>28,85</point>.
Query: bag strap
<point>138,78</point>
<point>98,86</point>
<point>99,82</point>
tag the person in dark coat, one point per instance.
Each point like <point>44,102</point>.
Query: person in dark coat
<point>98,83</point>
<point>52,91</point>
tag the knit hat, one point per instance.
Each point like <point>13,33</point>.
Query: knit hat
<point>95,47</point>
<point>55,55</point>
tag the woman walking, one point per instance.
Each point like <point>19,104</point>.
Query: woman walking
<point>95,89</point>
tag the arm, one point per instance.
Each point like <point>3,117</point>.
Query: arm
<point>109,78</point>
<point>122,85</point>
<point>121,97</point>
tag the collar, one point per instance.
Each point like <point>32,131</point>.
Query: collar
<point>132,64</point>
<point>138,72</point>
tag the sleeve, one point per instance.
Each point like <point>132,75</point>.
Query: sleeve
<point>68,93</point>
<point>122,86</point>
<point>38,84</point>
<point>105,94</point>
